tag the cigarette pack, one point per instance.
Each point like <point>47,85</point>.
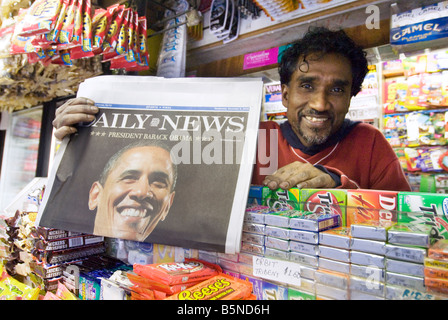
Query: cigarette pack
<point>372,230</point>
<point>302,247</point>
<point>331,201</point>
<point>334,265</point>
<point>304,236</point>
<point>404,280</point>
<point>276,243</point>
<point>371,272</point>
<point>402,293</point>
<point>367,245</point>
<point>304,259</point>
<point>439,250</point>
<point>281,198</point>
<point>252,248</point>
<point>315,222</point>
<point>371,205</point>
<point>411,234</point>
<point>412,254</point>
<point>367,259</point>
<point>278,232</point>
<point>433,263</point>
<point>278,218</point>
<point>337,237</point>
<point>436,273</point>
<point>425,208</point>
<point>307,272</point>
<point>324,291</point>
<point>331,278</point>
<point>405,267</point>
<point>367,285</point>
<point>276,253</point>
<point>437,285</point>
<point>257,228</point>
<point>252,238</point>
<point>357,295</point>
<point>334,253</point>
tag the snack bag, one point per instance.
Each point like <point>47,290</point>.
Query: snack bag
<point>41,17</point>
<point>77,25</point>
<point>219,287</point>
<point>154,285</point>
<point>172,273</point>
<point>65,35</point>
<point>140,293</point>
<point>85,49</point>
<point>111,39</point>
<point>12,289</point>
<point>102,27</point>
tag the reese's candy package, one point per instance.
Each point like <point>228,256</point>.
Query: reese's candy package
<point>172,273</point>
<point>150,284</point>
<point>219,287</point>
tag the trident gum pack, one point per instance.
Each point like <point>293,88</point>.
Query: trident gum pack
<point>328,201</point>
<point>425,208</point>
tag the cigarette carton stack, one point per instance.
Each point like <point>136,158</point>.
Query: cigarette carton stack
<point>332,276</point>
<point>367,257</point>
<point>405,253</point>
<point>436,269</point>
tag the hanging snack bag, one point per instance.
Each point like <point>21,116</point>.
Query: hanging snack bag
<point>41,17</point>
<point>111,39</point>
<point>46,39</point>
<point>66,33</point>
<point>172,273</point>
<point>77,25</point>
<point>85,49</point>
<point>102,27</point>
<point>219,287</point>
<point>122,41</point>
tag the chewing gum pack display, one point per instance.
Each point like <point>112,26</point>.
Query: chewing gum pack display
<point>332,201</point>
<point>287,199</point>
<point>367,259</point>
<point>371,205</point>
<point>404,280</point>
<point>368,272</point>
<point>334,265</point>
<point>411,234</point>
<point>334,253</point>
<point>177,273</point>
<point>277,232</point>
<point>315,222</point>
<point>304,236</point>
<point>325,292</point>
<point>405,267</point>
<point>372,230</point>
<point>367,245</point>
<point>336,237</point>
<point>218,287</point>
<point>370,287</point>
<point>425,208</point>
<point>305,259</point>
<point>279,218</point>
<point>332,278</point>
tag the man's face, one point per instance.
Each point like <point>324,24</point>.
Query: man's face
<point>318,97</point>
<point>136,195</point>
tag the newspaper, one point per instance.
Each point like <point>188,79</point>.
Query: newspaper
<point>191,191</point>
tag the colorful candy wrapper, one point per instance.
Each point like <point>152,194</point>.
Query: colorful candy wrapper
<point>102,27</point>
<point>66,33</point>
<point>110,42</point>
<point>41,17</point>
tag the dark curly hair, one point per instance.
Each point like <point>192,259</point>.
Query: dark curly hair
<point>320,40</point>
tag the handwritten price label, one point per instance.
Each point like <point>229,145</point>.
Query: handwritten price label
<point>277,270</point>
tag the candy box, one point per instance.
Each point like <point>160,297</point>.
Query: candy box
<point>328,201</point>
<point>411,234</point>
<point>280,198</point>
<point>371,205</point>
<point>439,250</point>
<point>425,208</point>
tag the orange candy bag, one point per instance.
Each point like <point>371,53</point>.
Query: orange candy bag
<point>172,273</point>
<point>219,287</point>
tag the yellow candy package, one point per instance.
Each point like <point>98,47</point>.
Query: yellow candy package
<point>12,289</point>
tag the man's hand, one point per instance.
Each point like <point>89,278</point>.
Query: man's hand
<point>300,175</point>
<point>73,112</point>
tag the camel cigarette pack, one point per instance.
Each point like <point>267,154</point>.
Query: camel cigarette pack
<point>325,201</point>
<point>425,208</point>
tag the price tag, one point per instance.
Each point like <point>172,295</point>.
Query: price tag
<point>277,270</point>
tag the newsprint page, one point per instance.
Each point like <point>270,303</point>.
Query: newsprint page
<point>166,161</point>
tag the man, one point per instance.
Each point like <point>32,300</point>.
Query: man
<point>134,192</point>
<point>317,147</point>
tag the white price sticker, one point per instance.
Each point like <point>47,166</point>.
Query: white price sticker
<point>277,270</point>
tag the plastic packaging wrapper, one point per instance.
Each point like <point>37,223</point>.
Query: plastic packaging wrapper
<point>219,287</point>
<point>12,289</point>
<point>173,273</point>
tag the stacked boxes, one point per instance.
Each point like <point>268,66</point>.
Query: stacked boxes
<point>436,268</point>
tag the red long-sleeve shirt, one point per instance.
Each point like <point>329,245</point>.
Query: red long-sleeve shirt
<point>360,155</point>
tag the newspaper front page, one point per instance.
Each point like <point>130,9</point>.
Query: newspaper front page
<point>166,161</point>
